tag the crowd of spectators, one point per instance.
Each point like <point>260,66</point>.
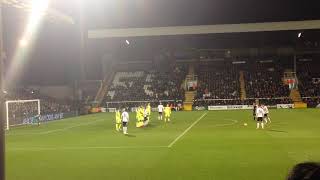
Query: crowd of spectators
<point>218,80</point>
<point>312,101</point>
<point>219,83</point>
<point>264,80</point>
<point>309,80</point>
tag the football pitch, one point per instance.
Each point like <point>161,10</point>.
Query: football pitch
<point>195,145</point>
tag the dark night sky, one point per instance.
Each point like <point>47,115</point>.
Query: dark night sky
<point>55,56</point>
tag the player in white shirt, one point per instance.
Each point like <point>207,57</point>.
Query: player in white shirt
<point>266,114</point>
<point>160,110</point>
<point>125,120</point>
<point>260,114</point>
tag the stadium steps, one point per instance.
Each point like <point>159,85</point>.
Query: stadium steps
<point>104,88</point>
<point>189,96</point>
<point>296,98</point>
<point>191,69</point>
<point>295,95</point>
<point>243,94</point>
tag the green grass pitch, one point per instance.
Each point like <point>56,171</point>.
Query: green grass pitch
<point>217,146</point>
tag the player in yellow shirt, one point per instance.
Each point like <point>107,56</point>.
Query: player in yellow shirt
<point>148,111</point>
<point>167,113</point>
<point>137,114</point>
<point>118,120</point>
<point>139,117</point>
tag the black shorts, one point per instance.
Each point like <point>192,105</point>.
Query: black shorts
<point>160,113</point>
<point>259,119</point>
<point>254,114</point>
<point>265,115</point>
<point>145,119</point>
<point>124,124</point>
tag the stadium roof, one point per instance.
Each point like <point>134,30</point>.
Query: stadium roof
<point>194,20</point>
<point>56,60</point>
<point>155,13</point>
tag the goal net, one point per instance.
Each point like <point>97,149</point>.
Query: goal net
<point>22,112</point>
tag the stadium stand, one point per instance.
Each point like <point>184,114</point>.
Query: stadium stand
<point>146,86</point>
<point>220,83</point>
<point>264,80</point>
<point>218,80</point>
<point>309,81</point>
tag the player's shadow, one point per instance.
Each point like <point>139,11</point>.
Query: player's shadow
<point>130,135</point>
<point>150,126</point>
<point>275,130</point>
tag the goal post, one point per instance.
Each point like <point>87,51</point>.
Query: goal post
<point>22,110</point>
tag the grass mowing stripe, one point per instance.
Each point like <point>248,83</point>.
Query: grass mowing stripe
<point>185,131</point>
<point>234,121</point>
<point>82,148</point>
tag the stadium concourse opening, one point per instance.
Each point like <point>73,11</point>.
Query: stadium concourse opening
<point>110,90</point>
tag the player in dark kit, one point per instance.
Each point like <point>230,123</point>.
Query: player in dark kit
<point>254,111</point>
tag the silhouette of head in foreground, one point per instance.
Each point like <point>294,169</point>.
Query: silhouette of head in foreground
<point>305,171</point>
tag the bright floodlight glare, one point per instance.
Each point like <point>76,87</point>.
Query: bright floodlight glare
<point>38,11</point>
<point>23,42</point>
<point>127,42</point>
<point>299,35</point>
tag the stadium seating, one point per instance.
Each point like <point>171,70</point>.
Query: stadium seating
<point>218,80</point>
<point>264,80</point>
<point>309,81</point>
<point>219,83</point>
<point>146,86</point>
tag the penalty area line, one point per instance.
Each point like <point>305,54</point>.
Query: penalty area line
<point>185,131</point>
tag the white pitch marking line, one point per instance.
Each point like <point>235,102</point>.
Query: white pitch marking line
<point>56,130</point>
<point>185,131</point>
<point>82,148</point>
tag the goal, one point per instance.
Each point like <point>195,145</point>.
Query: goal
<point>22,112</point>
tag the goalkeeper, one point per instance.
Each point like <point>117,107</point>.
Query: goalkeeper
<point>36,119</point>
<point>118,120</point>
<point>167,113</point>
